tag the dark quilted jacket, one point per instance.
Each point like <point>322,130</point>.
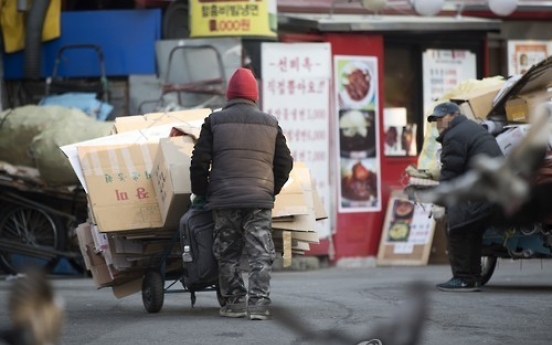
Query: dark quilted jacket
<point>241,159</point>
<point>463,140</point>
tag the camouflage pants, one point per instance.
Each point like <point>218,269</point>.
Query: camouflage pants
<point>236,230</point>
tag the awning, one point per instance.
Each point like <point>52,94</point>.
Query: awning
<point>383,23</point>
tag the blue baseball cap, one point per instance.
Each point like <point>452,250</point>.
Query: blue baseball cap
<point>442,110</point>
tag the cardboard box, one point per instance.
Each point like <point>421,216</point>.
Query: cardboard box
<point>138,122</point>
<point>122,245</point>
<point>95,259</point>
<point>149,135</point>
<point>304,221</point>
<point>100,240</point>
<point>319,208</point>
<point>120,188</point>
<point>519,108</point>
<point>84,237</point>
<point>101,275</point>
<point>291,200</point>
<point>508,139</point>
<point>478,103</point>
<point>537,78</point>
<point>171,178</point>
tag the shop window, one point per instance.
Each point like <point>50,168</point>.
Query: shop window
<point>400,92</point>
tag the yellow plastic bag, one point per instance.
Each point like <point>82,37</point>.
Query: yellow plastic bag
<point>13,25</point>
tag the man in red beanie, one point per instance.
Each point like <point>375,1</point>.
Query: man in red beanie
<point>239,164</point>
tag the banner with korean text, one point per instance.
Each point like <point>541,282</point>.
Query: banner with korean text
<point>243,18</point>
<point>296,89</point>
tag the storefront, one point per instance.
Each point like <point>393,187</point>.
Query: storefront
<point>410,60</point>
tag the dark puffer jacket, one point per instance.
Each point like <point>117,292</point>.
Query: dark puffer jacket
<point>241,159</point>
<point>461,141</point>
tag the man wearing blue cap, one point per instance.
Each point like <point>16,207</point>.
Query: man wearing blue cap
<point>461,140</point>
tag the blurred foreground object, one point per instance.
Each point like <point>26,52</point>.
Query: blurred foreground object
<point>37,315</point>
<point>504,180</point>
<point>403,328</point>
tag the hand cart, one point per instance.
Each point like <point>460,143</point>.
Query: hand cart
<point>56,85</point>
<point>153,285</point>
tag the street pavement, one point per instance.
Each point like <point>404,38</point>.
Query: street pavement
<point>514,308</point>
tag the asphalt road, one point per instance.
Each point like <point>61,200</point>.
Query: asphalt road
<point>514,308</point>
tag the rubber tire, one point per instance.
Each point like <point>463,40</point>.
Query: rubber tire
<point>488,265</point>
<point>176,20</point>
<point>58,228</point>
<point>153,292</point>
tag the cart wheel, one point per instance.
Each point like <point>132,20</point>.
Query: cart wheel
<point>153,292</point>
<point>221,299</point>
<point>488,265</point>
<point>32,227</point>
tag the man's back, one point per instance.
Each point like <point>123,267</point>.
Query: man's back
<point>244,145</point>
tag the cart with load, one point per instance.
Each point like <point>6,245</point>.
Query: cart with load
<point>37,224</point>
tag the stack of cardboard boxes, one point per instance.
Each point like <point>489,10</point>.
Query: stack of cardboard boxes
<point>509,104</point>
<point>531,90</point>
<point>138,187</point>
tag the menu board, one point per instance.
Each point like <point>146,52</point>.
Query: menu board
<point>407,233</point>
<point>356,90</point>
<point>443,69</point>
<point>296,89</point>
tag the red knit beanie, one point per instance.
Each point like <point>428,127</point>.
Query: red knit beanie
<point>242,85</point>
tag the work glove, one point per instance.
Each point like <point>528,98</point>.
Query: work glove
<point>438,212</point>
<point>198,200</point>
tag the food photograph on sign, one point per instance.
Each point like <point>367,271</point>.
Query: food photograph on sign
<point>399,227</point>
<point>357,133</point>
<point>359,183</point>
<point>357,87</point>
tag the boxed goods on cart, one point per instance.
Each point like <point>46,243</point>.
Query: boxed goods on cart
<point>528,91</point>
<point>138,188</point>
<point>523,96</point>
<point>478,102</point>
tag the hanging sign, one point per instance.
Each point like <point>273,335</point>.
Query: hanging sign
<point>216,18</point>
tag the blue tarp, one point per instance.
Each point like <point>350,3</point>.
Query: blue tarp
<point>127,38</point>
<point>86,102</point>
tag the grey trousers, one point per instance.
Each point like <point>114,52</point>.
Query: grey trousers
<point>237,230</point>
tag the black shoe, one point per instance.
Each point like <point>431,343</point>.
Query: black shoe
<point>459,285</point>
<point>258,312</point>
<point>235,307</point>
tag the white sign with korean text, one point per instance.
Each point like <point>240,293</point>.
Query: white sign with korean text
<point>296,89</point>
<point>443,69</point>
